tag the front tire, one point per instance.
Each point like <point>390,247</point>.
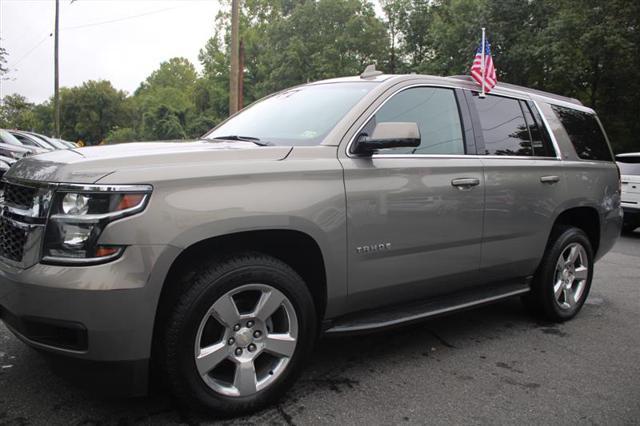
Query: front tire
<point>239,334</point>
<point>563,280</point>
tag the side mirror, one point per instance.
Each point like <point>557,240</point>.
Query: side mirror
<point>389,135</point>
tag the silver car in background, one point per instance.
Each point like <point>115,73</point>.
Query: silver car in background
<point>629,165</point>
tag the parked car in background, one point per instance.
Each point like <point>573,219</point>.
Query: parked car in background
<point>8,138</point>
<point>62,142</point>
<point>10,152</point>
<point>629,165</point>
<point>32,140</point>
<point>44,141</point>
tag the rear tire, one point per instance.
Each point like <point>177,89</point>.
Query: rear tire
<point>238,335</point>
<point>563,280</point>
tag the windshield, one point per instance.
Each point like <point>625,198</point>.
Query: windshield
<point>299,116</point>
<point>7,137</point>
<point>51,141</point>
<point>42,141</point>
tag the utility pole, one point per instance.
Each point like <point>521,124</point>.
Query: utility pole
<point>241,77</point>
<point>235,60</point>
<point>56,87</point>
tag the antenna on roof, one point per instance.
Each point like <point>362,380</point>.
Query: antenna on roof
<point>370,71</point>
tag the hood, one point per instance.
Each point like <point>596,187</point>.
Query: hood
<point>88,165</point>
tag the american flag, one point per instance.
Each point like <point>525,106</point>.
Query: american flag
<point>490,79</point>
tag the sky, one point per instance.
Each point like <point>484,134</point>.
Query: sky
<point>122,41</point>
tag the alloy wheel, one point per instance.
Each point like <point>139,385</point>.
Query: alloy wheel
<point>570,277</point>
<point>246,340</point>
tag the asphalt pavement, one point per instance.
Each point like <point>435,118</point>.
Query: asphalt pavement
<point>493,365</point>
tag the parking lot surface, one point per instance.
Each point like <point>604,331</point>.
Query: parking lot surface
<point>493,365</point>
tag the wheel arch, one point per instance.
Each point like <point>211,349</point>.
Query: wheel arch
<point>586,218</point>
<point>296,248</point>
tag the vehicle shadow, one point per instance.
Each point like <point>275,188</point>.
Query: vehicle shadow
<point>335,366</point>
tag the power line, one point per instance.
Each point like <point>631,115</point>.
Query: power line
<point>30,50</point>
<point>125,18</point>
<point>93,24</point>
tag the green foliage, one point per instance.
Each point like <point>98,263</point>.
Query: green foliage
<point>3,61</point>
<point>89,112</point>
<point>17,113</point>
<point>122,134</point>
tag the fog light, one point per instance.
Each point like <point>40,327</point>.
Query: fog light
<point>75,236</point>
<point>75,204</point>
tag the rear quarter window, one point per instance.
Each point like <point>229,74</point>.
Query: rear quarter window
<point>585,133</point>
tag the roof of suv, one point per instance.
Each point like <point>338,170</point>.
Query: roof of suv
<point>464,81</point>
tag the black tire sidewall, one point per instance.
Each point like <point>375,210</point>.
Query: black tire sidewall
<point>544,281</point>
<point>210,285</point>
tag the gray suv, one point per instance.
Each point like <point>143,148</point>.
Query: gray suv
<point>340,206</point>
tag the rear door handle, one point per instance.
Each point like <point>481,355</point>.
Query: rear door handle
<point>550,179</point>
<point>465,183</point>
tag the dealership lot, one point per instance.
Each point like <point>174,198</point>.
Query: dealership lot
<point>492,365</point>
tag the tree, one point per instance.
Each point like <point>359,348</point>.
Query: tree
<point>396,12</point>
<point>163,105</point>
<point>122,134</point>
<point>17,113</point>
<point>322,39</point>
<point>3,61</point>
<point>177,73</point>
<point>89,112</point>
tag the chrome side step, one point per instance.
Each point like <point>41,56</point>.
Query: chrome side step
<point>374,320</point>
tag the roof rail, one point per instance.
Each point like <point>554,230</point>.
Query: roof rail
<point>517,88</point>
<point>460,77</point>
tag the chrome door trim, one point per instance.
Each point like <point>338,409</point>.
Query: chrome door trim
<point>453,156</point>
<point>554,142</point>
<point>401,89</point>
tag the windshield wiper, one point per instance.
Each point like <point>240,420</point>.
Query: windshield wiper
<point>257,141</point>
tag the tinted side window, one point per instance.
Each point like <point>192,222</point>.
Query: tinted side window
<point>585,133</point>
<point>503,126</point>
<point>435,110</point>
<point>538,145</point>
<point>25,140</point>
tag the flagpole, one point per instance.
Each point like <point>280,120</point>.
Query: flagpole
<point>482,95</point>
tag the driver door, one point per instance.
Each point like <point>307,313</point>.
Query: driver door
<point>413,230</point>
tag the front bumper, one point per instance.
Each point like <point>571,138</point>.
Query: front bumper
<point>99,313</point>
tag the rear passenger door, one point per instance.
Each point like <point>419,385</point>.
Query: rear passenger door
<point>524,184</point>
<point>411,231</point>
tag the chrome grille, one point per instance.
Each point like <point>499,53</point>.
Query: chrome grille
<point>13,240</point>
<point>24,208</point>
<point>20,196</point>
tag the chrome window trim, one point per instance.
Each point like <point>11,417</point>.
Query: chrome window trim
<point>402,89</point>
<point>554,141</point>
<point>454,156</point>
<point>458,156</point>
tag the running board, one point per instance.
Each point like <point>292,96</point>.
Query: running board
<point>374,320</point>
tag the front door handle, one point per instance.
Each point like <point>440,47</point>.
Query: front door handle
<point>465,183</point>
<point>550,179</point>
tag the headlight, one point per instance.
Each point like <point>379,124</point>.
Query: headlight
<point>75,204</point>
<point>79,214</point>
